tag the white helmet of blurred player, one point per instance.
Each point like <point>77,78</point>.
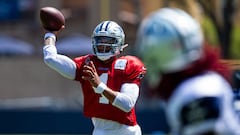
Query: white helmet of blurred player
<point>107,40</point>
<point>169,40</point>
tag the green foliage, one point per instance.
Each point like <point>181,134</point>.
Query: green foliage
<point>211,37</point>
<point>209,31</point>
<point>235,45</point>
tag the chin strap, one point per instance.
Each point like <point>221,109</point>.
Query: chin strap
<point>124,46</point>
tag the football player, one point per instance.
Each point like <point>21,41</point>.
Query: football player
<point>187,75</point>
<point>110,84</point>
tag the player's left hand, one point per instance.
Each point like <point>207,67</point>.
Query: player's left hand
<point>91,74</point>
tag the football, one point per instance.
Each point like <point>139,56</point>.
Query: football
<point>51,18</point>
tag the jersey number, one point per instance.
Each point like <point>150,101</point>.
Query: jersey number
<point>103,99</point>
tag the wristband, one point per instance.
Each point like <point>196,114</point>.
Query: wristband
<point>50,35</point>
<point>100,88</point>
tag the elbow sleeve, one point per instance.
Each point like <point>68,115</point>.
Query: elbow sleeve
<point>127,97</point>
<point>123,102</point>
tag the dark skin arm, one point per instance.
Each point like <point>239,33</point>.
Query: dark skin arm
<point>94,80</point>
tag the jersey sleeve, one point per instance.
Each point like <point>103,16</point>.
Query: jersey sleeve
<point>135,70</point>
<point>60,63</point>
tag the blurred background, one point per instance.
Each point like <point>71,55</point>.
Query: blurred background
<point>35,99</point>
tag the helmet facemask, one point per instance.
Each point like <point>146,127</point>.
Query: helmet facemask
<point>108,41</point>
<point>105,47</point>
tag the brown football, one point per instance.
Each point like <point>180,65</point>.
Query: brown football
<point>51,18</point>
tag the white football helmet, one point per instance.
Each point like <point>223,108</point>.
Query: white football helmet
<point>168,40</point>
<point>110,36</point>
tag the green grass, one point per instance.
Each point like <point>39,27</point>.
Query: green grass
<point>235,46</point>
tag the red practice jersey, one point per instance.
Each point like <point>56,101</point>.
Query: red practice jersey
<point>126,69</point>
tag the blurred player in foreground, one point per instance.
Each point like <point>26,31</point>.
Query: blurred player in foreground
<point>187,75</point>
<point>110,84</point>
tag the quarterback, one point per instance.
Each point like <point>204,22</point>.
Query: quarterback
<point>110,83</point>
